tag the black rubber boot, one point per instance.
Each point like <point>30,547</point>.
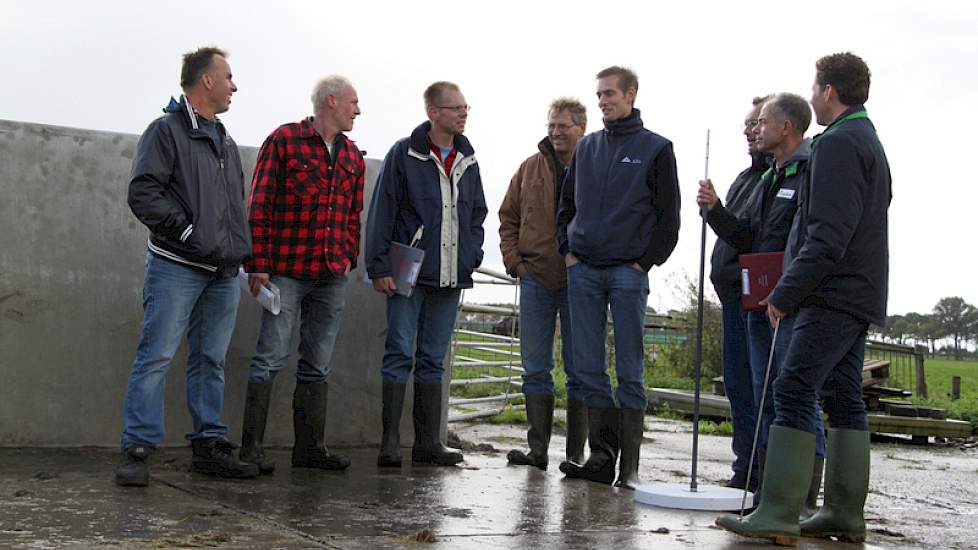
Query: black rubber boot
<point>604,440</point>
<point>540,416</point>
<point>576,431</point>
<point>214,456</point>
<point>428,448</point>
<point>810,506</point>
<point>390,442</point>
<point>309,422</point>
<point>253,428</point>
<point>632,433</point>
<point>133,471</point>
<point>758,474</point>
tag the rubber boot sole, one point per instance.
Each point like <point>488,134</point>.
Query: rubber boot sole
<point>781,539</point>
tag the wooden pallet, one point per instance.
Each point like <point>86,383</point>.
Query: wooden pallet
<point>714,406</point>
<point>875,372</point>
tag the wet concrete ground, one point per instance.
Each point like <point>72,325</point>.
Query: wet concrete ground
<point>65,498</point>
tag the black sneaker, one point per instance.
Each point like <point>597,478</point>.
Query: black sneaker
<point>739,481</point>
<point>133,471</point>
<point>213,456</point>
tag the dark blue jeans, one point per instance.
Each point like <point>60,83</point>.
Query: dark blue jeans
<point>539,308</point>
<point>318,306</point>
<point>591,291</point>
<point>824,361</point>
<point>761,335</point>
<point>738,384</point>
<point>419,330</point>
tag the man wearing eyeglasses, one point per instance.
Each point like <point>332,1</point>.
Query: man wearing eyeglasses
<point>527,240</point>
<point>726,277</point>
<point>618,216</point>
<point>429,191</point>
<point>762,227</point>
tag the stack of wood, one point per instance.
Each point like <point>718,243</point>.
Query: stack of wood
<point>888,409</point>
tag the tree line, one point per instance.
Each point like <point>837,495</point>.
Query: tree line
<point>953,322</point>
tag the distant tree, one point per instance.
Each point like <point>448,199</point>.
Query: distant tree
<point>681,355</point>
<point>956,317</point>
<point>896,328</point>
<point>929,329</point>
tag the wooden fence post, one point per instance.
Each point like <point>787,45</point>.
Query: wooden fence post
<point>919,353</point>
<point>955,388</point>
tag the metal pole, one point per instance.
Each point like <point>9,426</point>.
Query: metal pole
<point>699,329</point>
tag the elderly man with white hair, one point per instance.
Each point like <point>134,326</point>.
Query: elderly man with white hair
<point>306,199</point>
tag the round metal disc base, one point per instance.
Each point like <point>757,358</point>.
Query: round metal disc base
<point>678,496</point>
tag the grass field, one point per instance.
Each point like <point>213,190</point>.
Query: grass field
<point>939,373</point>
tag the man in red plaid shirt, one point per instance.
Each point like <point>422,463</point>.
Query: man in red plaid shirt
<point>306,199</point>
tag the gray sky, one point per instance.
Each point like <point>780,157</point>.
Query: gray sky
<point>112,66</point>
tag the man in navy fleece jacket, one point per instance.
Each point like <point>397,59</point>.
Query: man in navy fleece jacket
<point>618,216</point>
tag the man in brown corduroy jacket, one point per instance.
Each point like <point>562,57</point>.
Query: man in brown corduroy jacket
<point>527,235</point>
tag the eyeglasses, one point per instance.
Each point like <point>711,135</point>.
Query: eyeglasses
<point>562,127</point>
<point>751,122</point>
<point>457,108</point>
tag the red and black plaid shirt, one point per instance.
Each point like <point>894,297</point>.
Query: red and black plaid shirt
<point>305,212</point>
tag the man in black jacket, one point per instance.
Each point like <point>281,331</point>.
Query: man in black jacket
<point>835,284</point>
<point>763,227</point>
<point>187,187</point>
<point>725,275</point>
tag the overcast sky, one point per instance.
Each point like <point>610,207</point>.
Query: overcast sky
<point>113,65</point>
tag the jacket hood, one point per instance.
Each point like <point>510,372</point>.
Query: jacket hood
<point>624,126</point>
<point>801,153</point>
<point>182,105</point>
<point>419,141</point>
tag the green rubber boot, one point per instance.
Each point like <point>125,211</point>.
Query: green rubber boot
<point>846,484</point>
<point>787,475</point>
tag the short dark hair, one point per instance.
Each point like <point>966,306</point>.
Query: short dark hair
<point>761,100</point>
<point>626,77</point>
<point>578,112</point>
<point>433,93</point>
<point>794,109</point>
<point>196,63</point>
<point>847,73</point>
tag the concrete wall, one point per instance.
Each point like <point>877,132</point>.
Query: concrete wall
<point>71,273</point>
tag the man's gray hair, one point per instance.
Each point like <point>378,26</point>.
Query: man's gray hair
<point>793,108</point>
<point>578,112</point>
<point>330,85</point>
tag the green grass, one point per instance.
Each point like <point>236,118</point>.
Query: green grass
<point>939,373</point>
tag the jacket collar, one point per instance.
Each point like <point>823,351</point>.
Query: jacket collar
<point>308,131</point>
<point>849,111</point>
<point>546,149</point>
<point>760,160</point>
<point>419,141</point>
<point>625,126</point>
<point>176,107</point>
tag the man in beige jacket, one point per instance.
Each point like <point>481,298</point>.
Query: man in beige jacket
<point>528,242</point>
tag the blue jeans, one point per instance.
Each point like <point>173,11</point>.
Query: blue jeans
<point>539,307</point>
<point>419,330</point>
<point>825,359</point>
<point>761,334</point>
<point>177,299</point>
<point>738,384</point>
<point>591,291</point>
<point>318,306</point>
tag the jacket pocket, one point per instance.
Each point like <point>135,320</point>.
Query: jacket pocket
<point>305,176</point>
